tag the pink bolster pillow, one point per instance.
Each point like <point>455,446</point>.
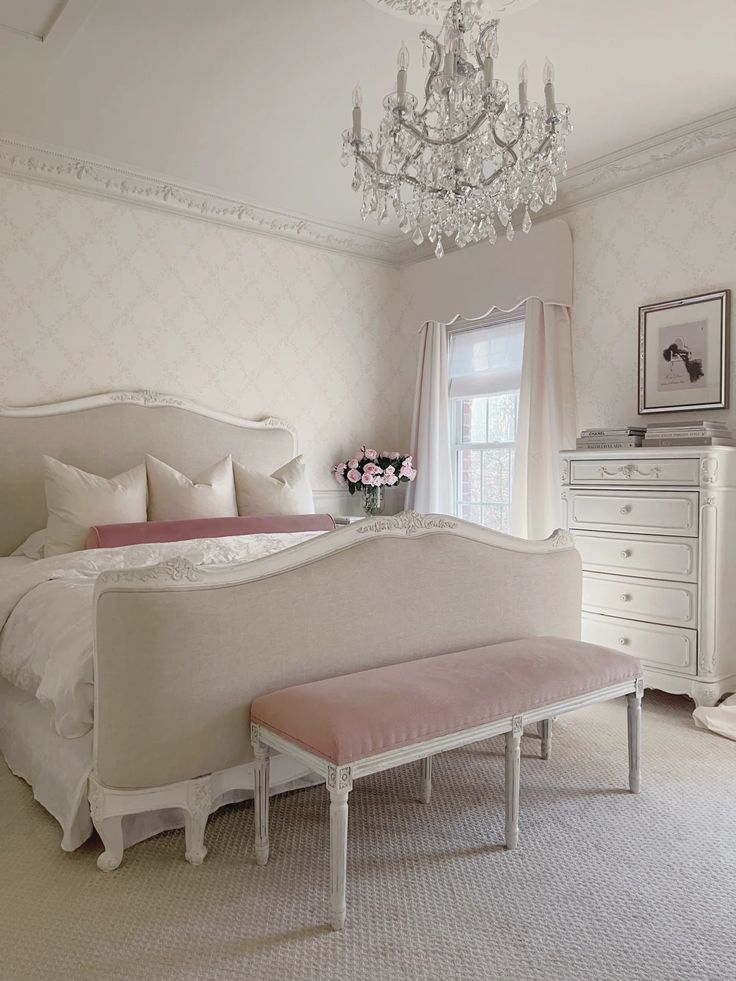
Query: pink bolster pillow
<point>150,532</point>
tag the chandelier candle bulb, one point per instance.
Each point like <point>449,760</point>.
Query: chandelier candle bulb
<point>523,85</point>
<point>402,63</point>
<point>357,112</point>
<point>549,87</point>
<point>488,70</point>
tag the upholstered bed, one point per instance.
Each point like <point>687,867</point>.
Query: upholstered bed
<point>187,634</point>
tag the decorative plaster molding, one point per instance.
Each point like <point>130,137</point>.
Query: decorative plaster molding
<point>681,147</point>
<point>673,150</point>
<point>431,11</point>
<point>51,166</point>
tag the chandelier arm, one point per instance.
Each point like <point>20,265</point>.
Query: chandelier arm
<point>427,189</point>
<point>431,141</point>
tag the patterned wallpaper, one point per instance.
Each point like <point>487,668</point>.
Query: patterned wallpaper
<point>671,236</point>
<point>96,295</point>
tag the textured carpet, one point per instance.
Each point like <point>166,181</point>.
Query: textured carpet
<point>603,885</point>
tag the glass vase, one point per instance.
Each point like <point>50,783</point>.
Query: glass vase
<point>373,500</point>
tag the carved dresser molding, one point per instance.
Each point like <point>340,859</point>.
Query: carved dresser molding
<point>656,529</point>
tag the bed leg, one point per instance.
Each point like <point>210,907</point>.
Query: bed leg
<point>633,719</point>
<point>544,728</point>
<point>111,831</point>
<point>338,856</point>
<point>425,790</point>
<point>513,766</point>
<point>261,802</point>
<point>196,813</point>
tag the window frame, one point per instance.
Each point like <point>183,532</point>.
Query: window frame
<point>457,445</point>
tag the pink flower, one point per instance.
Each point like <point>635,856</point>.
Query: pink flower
<point>354,464</point>
<point>394,456</point>
<point>339,468</point>
<point>390,479</point>
<point>408,472</point>
<point>390,471</point>
<point>372,468</point>
<point>354,476</point>
<point>340,479</point>
<point>368,480</point>
<point>370,454</point>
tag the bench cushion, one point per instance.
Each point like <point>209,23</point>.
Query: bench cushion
<point>359,715</point>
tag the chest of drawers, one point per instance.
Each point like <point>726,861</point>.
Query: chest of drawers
<point>656,530</point>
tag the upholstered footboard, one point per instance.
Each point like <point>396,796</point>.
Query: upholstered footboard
<point>182,651</point>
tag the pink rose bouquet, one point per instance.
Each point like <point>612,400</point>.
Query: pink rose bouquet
<point>369,468</point>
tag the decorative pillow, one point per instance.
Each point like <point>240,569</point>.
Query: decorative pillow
<point>174,497</point>
<point>77,500</point>
<point>286,491</point>
<point>149,532</point>
<point>32,547</point>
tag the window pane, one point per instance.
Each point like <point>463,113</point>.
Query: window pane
<point>502,411</point>
<point>472,420</point>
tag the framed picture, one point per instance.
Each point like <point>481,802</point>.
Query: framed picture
<point>683,354</point>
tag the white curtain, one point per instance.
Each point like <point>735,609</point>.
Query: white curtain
<point>431,491</point>
<point>546,422</point>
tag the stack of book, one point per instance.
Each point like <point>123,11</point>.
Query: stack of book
<point>611,439</point>
<point>699,433</point>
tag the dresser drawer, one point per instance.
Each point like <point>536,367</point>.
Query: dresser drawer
<point>675,648</point>
<point>645,512</point>
<point>648,557</point>
<point>637,599</point>
<point>640,471</point>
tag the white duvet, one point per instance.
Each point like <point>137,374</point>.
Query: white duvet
<point>46,614</point>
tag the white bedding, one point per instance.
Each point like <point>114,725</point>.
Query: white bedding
<point>46,614</point>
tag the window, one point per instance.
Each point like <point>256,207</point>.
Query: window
<point>485,378</point>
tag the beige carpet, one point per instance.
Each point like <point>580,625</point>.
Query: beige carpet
<point>603,885</point>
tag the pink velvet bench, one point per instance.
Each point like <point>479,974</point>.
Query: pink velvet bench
<point>361,723</point>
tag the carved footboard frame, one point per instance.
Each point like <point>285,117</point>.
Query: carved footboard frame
<point>181,651</point>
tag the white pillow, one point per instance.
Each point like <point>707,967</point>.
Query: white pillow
<point>286,491</point>
<point>174,497</point>
<point>33,546</point>
<point>77,500</point>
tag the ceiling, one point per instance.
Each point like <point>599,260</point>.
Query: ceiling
<point>248,98</point>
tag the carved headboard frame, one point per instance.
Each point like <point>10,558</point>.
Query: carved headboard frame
<point>110,433</point>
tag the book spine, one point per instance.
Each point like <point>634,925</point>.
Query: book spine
<point>702,441</point>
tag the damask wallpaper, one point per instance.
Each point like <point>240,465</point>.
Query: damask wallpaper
<point>671,236</point>
<point>97,295</point>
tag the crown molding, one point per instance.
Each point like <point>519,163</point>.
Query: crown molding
<point>662,154</point>
<point>682,147</point>
<point>48,165</point>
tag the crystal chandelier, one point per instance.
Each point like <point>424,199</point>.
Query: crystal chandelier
<point>464,160</point>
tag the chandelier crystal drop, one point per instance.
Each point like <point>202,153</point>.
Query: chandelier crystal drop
<point>465,161</point>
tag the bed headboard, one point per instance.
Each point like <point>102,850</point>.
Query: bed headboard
<point>107,434</point>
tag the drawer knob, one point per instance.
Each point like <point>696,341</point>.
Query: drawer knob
<point>625,509</point>
<point>626,554</point>
<point>623,641</point>
<point>625,597</point>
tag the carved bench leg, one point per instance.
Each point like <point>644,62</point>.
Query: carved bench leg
<point>425,790</point>
<point>338,856</point>
<point>111,831</point>
<point>261,802</point>
<point>544,728</point>
<point>199,802</point>
<point>513,766</point>
<point>633,716</point>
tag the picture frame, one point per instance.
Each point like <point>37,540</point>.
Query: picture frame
<point>684,354</point>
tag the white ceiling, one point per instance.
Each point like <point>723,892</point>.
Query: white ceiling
<point>249,97</point>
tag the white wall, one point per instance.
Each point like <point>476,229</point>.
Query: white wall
<point>97,295</point>
<point>668,237</point>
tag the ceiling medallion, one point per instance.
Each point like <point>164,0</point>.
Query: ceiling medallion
<point>430,11</point>
<point>463,157</point>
